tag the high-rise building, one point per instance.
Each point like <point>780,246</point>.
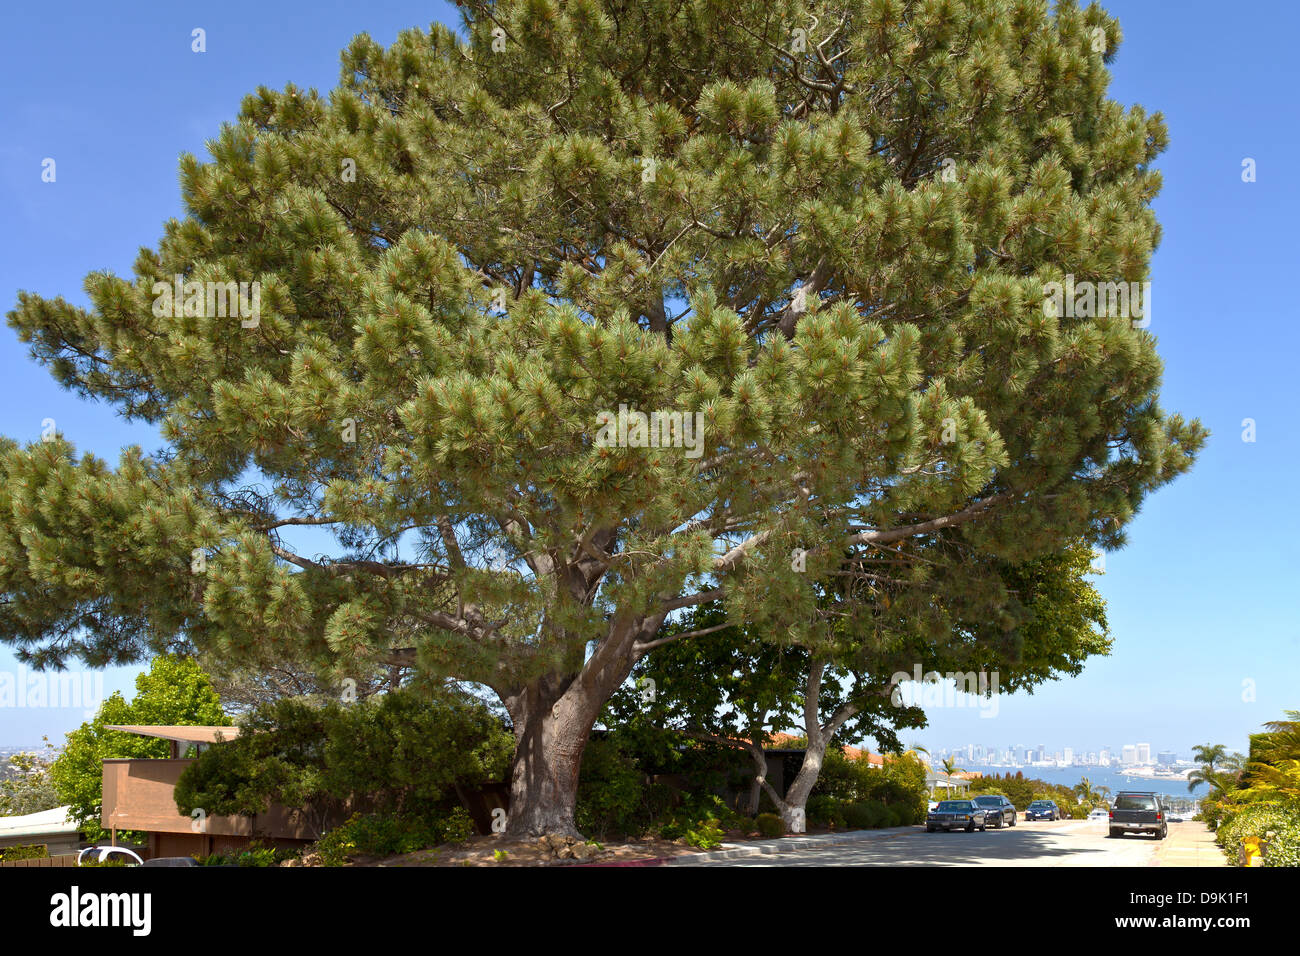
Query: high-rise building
<point>1167,757</point>
<point>1067,755</point>
<point>1128,755</point>
<point>1144,754</point>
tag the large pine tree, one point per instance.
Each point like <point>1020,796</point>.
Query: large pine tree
<point>825,227</point>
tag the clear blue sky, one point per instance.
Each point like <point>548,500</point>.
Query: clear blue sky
<point>1203,597</point>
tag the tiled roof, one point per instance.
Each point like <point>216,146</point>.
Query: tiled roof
<point>784,741</point>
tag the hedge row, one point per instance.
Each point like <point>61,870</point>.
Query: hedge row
<point>1257,821</point>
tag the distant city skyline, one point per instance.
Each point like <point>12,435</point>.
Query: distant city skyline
<point>1134,755</point>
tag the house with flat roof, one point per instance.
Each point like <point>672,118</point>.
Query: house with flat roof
<point>139,794</point>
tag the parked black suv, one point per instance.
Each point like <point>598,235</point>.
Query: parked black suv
<point>998,810</point>
<point>1138,811</point>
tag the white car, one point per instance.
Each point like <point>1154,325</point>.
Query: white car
<point>103,854</point>
<point>1098,815</point>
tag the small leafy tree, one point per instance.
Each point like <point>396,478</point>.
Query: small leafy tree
<point>752,689</point>
<point>834,677</point>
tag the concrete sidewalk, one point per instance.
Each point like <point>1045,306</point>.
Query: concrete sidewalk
<point>1189,844</point>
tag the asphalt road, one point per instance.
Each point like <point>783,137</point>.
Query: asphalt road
<point>1062,843</point>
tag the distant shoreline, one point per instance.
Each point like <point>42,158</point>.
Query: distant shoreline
<point>1175,784</point>
<point>1141,774</point>
<point>1180,775</point>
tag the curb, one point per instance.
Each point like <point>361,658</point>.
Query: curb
<point>644,861</point>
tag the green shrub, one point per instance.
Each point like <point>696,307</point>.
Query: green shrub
<point>261,856</point>
<point>705,835</point>
<point>1284,848</point>
<point>29,851</point>
<point>1257,820</point>
<point>671,829</point>
<point>609,791</point>
<point>385,834</point>
<point>770,825</point>
<point>878,813</point>
<point>899,784</point>
<point>397,753</point>
<point>858,816</point>
<point>841,777</point>
<point>457,826</point>
<point>711,806</point>
<point>1213,813</point>
<point>657,800</point>
<point>825,811</point>
<point>697,814</point>
<point>614,798</point>
<point>256,854</point>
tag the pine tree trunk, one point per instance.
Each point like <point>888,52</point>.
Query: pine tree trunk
<point>552,717</point>
<point>550,734</point>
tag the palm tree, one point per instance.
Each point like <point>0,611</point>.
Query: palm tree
<point>1090,795</point>
<point>1218,768</point>
<point>1209,755</point>
<point>949,768</point>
